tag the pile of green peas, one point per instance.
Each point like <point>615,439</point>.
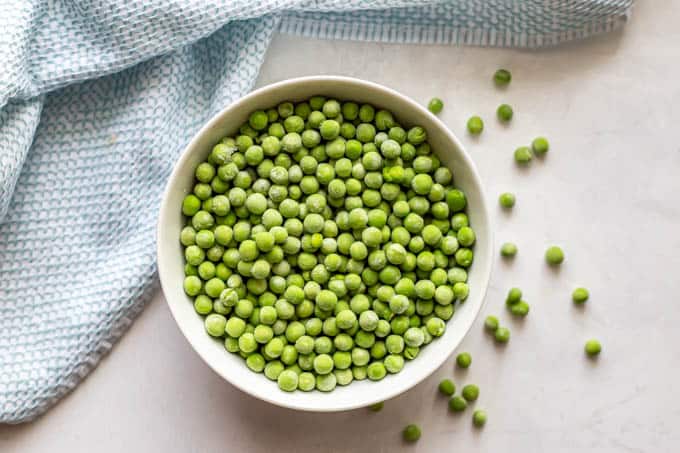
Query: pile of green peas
<point>325,243</point>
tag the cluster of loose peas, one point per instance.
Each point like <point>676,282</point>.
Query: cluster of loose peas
<point>324,243</point>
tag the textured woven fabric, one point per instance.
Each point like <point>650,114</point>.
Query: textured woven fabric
<point>97,99</point>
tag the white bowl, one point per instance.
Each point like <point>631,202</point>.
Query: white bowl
<point>171,261</point>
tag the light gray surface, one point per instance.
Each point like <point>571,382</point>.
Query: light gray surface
<point>607,193</point>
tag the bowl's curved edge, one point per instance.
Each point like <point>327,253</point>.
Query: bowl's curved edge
<point>213,122</point>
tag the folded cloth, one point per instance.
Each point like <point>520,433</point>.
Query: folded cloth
<point>96,101</point>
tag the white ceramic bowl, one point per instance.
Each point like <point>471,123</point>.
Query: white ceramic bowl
<point>171,262</point>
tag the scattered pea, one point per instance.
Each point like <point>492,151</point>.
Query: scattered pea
<point>491,323</point>
<point>580,295</point>
<point>540,146</point>
<point>475,125</point>
<point>435,105</point>
<point>447,387</point>
<point>464,360</point>
<point>288,380</point>
<point>554,255</point>
<point>504,113</point>
<point>506,200</point>
<point>523,155</point>
<point>502,335</point>
<point>508,250</point>
<point>457,404</point>
<point>470,392</point>
<point>479,418</point>
<point>593,348</point>
<point>514,296</point>
<point>411,433</point>
<point>521,308</point>
<point>502,77</point>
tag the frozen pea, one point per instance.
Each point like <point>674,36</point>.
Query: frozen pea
<point>502,334</point>
<point>508,250</point>
<point>521,308</point>
<point>464,359</point>
<point>554,255</point>
<point>435,105</point>
<point>523,155</point>
<point>411,433</point>
<point>470,392</point>
<point>479,418</point>
<point>491,323</point>
<point>580,295</point>
<point>502,77</point>
<point>593,348</point>
<point>475,125</point>
<point>504,113</point>
<point>447,387</point>
<point>540,146</point>
<point>506,200</point>
<point>457,404</point>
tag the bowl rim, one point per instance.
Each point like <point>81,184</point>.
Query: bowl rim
<point>215,120</point>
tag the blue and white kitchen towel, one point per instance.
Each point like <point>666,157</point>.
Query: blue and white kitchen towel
<point>98,97</point>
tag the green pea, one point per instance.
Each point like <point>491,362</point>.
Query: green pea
<point>466,236</point>
<point>323,364</point>
<point>504,113</point>
<point>470,392</point>
<point>288,380</point>
<point>479,418</point>
<point>523,155</point>
<point>464,360</point>
<point>514,296</point>
<point>447,387</point>
<point>491,323</point>
<point>457,404</point>
<point>191,205</point>
<point>306,381</point>
<point>285,109</point>
<point>258,120</point>
<point>593,348</point>
<point>508,250</point>
<point>331,108</point>
<point>540,146</point>
<point>475,125</point>
<point>205,172</point>
<point>203,305</point>
<point>326,383</point>
<point>215,324</point>
<point>416,135</point>
<point>436,326</point>
<point>192,285</point>
<point>459,221</point>
<point>502,77</point>
<point>502,334</point>
<point>580,295</point>
<point>411,433</point>
<point>521,308</point>
<point>506,200</point>
<point>554,255</point>
<point>329,129</point>
<point>435,105</point>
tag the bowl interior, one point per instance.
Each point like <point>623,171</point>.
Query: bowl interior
<point>171,261</point>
